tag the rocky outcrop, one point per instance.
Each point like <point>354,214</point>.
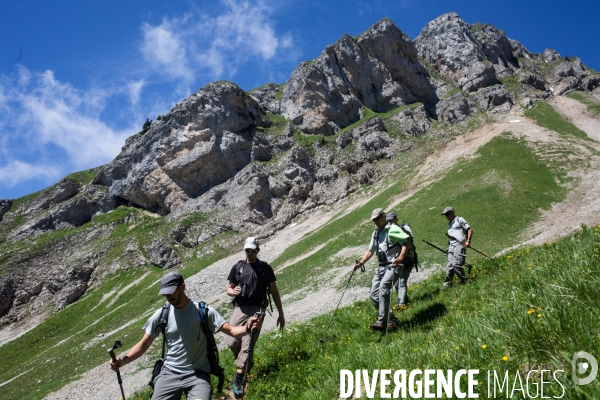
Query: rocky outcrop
<point>5,205</point>
<point>62,191</point>
<point>203,141</point>
<point>6,295</point>
<point>413,120</point>
<point>380,71</point>
<point>496,48</point>
<point>50,277</point>
<point>570,75</point>
<point>456,108</point>
<point>68,214</point>
<point>394,49</point>
<point>534,80</point>
<point>449,46</point>
<point>162,255</point>
<point>266,96</point>
<point>550,55</point>
<point>494,99</point>
<point>518,50</point>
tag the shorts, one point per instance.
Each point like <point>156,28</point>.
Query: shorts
<point>170,385</point>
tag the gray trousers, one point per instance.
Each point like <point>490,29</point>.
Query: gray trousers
<point>381,290</point>
<point>402,285</point>
<point>457,254</point>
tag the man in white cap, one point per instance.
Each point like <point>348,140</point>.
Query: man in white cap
<point>250,282</point>
<point>459,235</point>
<point>186,366</point>
<point>389,256</point>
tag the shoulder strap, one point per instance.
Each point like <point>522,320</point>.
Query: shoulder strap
<point>239,269</point>
<point>405,230</point>
<point>212,350</point>
<point>162,324</point>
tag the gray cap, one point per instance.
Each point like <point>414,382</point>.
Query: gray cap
<point>447,210</point>
<point>170,282</point>
<point>390,216</point>
<point>251,243</point>
<point>376,213</point>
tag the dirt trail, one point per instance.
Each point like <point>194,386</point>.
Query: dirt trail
<point>581,206</point>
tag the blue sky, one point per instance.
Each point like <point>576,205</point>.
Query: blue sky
<point>79,77</point>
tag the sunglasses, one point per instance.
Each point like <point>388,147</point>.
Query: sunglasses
<point>251,251</point>
<point>378,218</point>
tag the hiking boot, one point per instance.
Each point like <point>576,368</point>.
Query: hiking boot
<point>392,324</point>
<point>377,326</point>
<point>237,385</point>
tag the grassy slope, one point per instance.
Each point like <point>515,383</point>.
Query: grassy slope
<point>499,192</point>
<point>534,308</point>
<point>588,100</point>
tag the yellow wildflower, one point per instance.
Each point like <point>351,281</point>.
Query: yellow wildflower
<point>505,358</point>
<point>484,346</point>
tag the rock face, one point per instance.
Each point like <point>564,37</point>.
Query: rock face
<point>68,214</point>
<point>205,140</point>
<point>496,48</point>
<point>569,75</point>
<point>61,192</point>
<point>380,70</point>
<point>162,255</point>
<point>395,50</point>
<point>5,205</point>
<point>413,121</point>
<point>266,96</point>
<point>448,44</point>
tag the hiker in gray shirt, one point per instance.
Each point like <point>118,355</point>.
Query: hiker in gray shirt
<point>460,234</point>
<point>186,367</point>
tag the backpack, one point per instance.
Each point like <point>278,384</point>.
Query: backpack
<point>211,345</point>
<point>412,250</point>
<point>239,268</point>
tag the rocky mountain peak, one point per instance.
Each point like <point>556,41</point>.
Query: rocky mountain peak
<point>448,44</point>
<point>203,141</point>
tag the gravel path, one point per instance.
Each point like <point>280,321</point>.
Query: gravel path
<point>581,206</point>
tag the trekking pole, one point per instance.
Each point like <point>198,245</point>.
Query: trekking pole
<point>472,248</point>
<point>260,316</point>
<point>111,351</point>
<point>469,266</point>
<point>362,268</point>
<point>435,247</point>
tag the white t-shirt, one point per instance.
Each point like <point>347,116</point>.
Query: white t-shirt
<point>186,343</point>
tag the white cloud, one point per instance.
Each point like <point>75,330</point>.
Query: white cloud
<point>164,48</point>
<point>244,31</point>
<point>134,89</point>
<point>45,118</point>
<point>16,172</point>
<point>215,44</point>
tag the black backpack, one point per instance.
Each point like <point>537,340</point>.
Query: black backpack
<point>407,229</point>
<point>211,344</point>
